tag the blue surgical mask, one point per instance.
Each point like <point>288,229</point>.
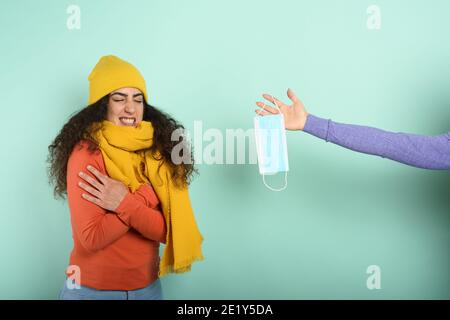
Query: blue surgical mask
<point>271,147</point>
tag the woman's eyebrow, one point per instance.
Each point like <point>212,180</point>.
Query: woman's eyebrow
<point>125,95</point>
<point>120,94</point>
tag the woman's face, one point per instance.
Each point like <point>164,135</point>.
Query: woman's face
<point>125,107</point>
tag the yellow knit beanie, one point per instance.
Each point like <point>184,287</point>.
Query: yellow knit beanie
<point>112,73</point>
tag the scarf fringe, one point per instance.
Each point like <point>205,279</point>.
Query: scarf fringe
<point>180,267</point>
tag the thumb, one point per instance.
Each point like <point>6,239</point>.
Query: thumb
<point>292,95</point>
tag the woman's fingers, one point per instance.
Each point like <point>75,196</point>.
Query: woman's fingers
<point>267,108</point>
<point>91,199</point>
<point>98,174</point>
<point>92,181</point>
<point>108,193</point>
<point>262,112</point>
<point>274,100</point>
<point>91,190</point>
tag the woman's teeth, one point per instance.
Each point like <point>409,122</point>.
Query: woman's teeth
<point>127,121</point>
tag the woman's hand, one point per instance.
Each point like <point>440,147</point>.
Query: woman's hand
<point>108,193</point>
<point>294,115</point>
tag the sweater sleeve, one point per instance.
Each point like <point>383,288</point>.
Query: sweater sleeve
<point>428,152</point>
<point>143,215</point>
<point>94,226</point>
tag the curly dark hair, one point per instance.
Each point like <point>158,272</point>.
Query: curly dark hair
<point>83,125</point>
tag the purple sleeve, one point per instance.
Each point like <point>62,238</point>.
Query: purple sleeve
<point>428,152</point>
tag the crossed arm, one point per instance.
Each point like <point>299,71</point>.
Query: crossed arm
<point>103,210</point>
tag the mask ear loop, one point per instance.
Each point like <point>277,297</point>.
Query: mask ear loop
<point>273,189</point>
<point>276,105</point>
<point>285,173</point>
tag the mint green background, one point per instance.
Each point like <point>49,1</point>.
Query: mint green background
<point>210,61</point>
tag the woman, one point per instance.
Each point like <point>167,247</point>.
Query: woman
<point>113,161</point>
<point>428,152</point>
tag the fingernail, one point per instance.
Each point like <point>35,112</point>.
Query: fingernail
<point>80,174</point>
<point>89,167</point>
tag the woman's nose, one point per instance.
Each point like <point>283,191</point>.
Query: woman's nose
<point>129,107</point>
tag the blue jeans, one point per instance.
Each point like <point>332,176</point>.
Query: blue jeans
<point>151,292</point>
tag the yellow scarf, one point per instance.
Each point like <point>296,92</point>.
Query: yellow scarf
<point>123,150</point>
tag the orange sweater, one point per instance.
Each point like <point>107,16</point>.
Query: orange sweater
<point>114,250</point>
